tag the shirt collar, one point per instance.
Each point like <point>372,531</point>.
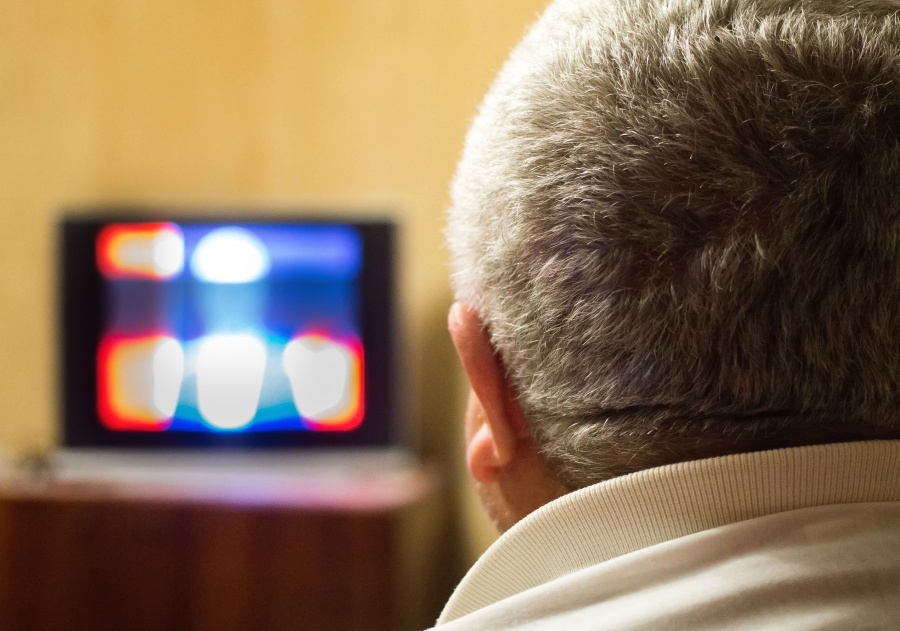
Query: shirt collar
<point>636,511</point>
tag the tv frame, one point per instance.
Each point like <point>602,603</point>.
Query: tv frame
<point>81,326</point>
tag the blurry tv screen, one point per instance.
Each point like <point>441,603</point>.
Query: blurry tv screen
<point>237,332</point>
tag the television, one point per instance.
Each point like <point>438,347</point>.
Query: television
<point>236,331</point>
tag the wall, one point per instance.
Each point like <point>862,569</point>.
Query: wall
<point>282,103</point>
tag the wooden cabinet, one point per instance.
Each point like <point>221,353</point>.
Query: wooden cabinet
<point>296,553</point>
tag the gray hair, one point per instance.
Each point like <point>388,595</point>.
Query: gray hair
<point>680,222</point>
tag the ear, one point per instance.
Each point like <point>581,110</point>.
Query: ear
<point>495,422</point>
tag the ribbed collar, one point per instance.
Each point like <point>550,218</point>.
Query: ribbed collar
<point>632,512</point>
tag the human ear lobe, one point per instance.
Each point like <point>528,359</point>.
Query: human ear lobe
<point>482,459</point>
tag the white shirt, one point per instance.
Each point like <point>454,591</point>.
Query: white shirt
<point>804,538</point>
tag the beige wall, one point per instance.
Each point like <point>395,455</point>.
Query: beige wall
<point>282,103</point>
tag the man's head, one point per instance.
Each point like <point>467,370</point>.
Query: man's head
<point>677,225</point>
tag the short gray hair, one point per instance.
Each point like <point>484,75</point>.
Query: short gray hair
<point>680,223</point>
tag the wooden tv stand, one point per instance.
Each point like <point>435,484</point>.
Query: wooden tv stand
<point>267,553</point>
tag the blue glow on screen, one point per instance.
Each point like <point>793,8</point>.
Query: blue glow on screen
<point>244,294</point>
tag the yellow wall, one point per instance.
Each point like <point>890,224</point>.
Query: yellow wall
<point>282,103</point>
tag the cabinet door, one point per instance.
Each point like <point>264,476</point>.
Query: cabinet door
<point>93,566</point>
<point>111,566</point>
<point>288,570</point>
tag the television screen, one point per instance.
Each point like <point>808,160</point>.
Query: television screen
<point>241,332</point>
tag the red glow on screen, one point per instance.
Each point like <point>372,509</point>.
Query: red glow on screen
<point>138,381</point>
<point>326,375</point>
<point>149,251</point>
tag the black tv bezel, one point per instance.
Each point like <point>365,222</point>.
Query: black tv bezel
<point>81,326</point>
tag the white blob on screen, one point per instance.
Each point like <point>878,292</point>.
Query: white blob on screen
<point>230,370</point>
<point>320,372</point>
<point>148,373</point>
<point>168,253</point>
<point>168,371</point>
<point>230,255</point>
<point>163,253</point>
